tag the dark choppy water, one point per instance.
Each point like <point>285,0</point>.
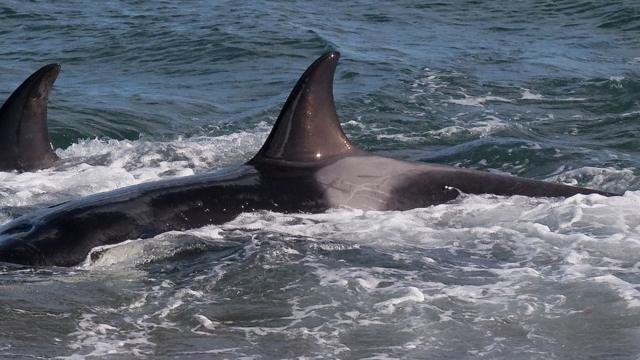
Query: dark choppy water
<point>549,90</point>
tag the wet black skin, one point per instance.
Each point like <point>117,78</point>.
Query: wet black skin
<point>306,165</point>
<point>24,136</point>
<point>64,234</point>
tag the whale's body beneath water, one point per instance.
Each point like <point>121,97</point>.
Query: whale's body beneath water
<point>307,164</point>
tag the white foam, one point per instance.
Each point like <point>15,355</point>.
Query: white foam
<point>528,95</point>
<point>631,113</point>
<point>428,85</point>
<point>95,339</point>
<point>488,126</point>
<point>401,137</point>
<point>477,100</point>
<point>603,227</point>
<point>608,179</point>
<point>616,78</point>
<point>204,322</point>
<point>625,290</point>
<point>571,99</point>
<point>409,294</point>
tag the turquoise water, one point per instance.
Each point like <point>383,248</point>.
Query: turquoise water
<point>548,90</point>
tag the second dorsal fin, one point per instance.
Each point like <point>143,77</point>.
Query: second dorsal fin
<point>24,135</point>
<point>308,129</point>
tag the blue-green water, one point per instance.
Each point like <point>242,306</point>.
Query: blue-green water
<point>549,90</point>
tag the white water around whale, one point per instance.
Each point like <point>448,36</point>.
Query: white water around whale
<point>546,90</point>
<point>511,273</point>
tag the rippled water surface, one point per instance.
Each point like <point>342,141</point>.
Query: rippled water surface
<point>149,90</point>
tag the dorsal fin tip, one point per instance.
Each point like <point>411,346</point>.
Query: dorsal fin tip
<point>43,78</point>
<point>307,129</point>
<point>24,135</point>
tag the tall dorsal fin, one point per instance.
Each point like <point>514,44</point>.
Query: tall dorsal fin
<point>24,136</point>
<point>308,129</point>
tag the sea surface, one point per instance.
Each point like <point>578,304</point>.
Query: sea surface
<point>150,90</point>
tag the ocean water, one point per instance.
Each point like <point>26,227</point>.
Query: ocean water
<point>547,90</point>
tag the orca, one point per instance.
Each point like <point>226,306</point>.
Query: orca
<point>307,164</point>
<point>24,136</point>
